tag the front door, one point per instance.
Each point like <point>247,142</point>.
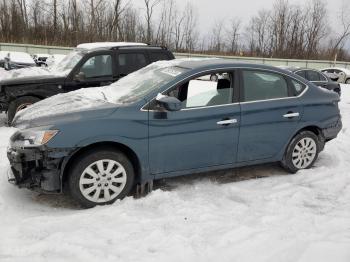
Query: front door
<point>270,114</point>
<point>204,133</point>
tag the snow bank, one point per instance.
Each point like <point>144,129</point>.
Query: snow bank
<point>17,57</point>
<point>278,218</point>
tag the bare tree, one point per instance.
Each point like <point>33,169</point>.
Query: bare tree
<point>150,6</point>
<point>339,41</point>
<point>233,35</point>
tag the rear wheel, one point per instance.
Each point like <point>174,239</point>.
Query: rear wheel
<point>18,105</point>
<point>302,152</point>
<point>100,177</point>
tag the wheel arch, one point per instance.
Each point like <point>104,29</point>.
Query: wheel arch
<point>67,163</point>
<point>314,129</point>
<point>14,98</point>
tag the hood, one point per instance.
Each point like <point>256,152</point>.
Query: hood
<point>28,76</point>
<point>38,79</point>
<point>71,106</point>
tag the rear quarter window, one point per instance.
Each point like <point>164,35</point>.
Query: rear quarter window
<point>297,87</point>
<point>158,56</point>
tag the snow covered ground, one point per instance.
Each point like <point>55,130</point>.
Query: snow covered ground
<point>250,214</point>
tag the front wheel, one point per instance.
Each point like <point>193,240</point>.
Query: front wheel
<point>100,177</point>
<point>18,105</point>
<point>302,152</point>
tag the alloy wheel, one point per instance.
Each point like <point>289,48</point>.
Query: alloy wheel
<point>103,181</point>
<point>304,153</point>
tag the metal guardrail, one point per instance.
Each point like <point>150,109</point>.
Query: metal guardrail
<point>317,64</point>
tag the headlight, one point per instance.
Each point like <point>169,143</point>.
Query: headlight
<point>32,138</point>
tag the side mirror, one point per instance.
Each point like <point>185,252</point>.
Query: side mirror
<point>169,103</point>
<point>80,77</point>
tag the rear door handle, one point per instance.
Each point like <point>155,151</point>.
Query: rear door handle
<point>227,122</point>
<point>291,115</point>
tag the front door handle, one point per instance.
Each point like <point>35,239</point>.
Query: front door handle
<point>227,122</point>
<point>291,115</point>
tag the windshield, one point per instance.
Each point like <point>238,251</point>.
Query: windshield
<point>140,83</point>
<point>66,65</point>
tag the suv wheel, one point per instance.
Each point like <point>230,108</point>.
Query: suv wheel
<point>347,81</point>
<point>18,105</point>
<point>302,152</point>
<point>100,177</point>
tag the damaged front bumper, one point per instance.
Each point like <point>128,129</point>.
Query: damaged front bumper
<point>36,168</point>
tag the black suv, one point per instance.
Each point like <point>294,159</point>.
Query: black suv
<point>96,65</point>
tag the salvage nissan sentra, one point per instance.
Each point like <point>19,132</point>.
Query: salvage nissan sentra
<point>169,119</point>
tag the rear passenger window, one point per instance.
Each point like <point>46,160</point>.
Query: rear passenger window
<point>157,56</point>
<point>313,76</point>
<point>130,62</point>
<point>260,85</point>
<point>301,73</point>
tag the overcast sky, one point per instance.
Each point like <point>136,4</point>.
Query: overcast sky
<point>210,11</point>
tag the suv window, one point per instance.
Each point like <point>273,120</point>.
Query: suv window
<point>157,56</point>
<point>259,85</point>
<point>130,62</point>
<point>97,66</point>
<point>205,91</point>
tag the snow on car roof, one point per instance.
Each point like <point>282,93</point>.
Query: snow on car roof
<point>108,44</point>
<point>17,57</point>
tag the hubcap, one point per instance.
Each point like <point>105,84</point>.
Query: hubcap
<point>102,181</point>
<point>304,153</point>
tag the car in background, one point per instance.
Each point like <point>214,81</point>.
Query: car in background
<point>316,77</point>
<point>10,60</point>
<point>45,60</point>
<point>40,59</point>
<point>342,74</point>
<point>168,119</point>
<point>89,65</point>
<point>54,59</point>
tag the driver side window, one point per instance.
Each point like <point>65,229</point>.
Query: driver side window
<point>97,66</point>
<point>208,90</point>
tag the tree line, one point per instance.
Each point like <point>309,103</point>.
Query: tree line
<point>284,31</point>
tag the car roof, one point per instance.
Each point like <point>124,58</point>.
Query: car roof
<point>90,46</point>
<point>347,71</point>
<point>208,63</point>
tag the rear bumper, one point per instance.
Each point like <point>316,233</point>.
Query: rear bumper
<point>332,131</point>
<point>35,169</point>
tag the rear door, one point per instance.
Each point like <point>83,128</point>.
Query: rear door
<point>270,114</point>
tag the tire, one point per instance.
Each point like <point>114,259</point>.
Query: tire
<point>90,187</point>
<point>347,81</point>
<point>19,104</point>
<point>302,152</point>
